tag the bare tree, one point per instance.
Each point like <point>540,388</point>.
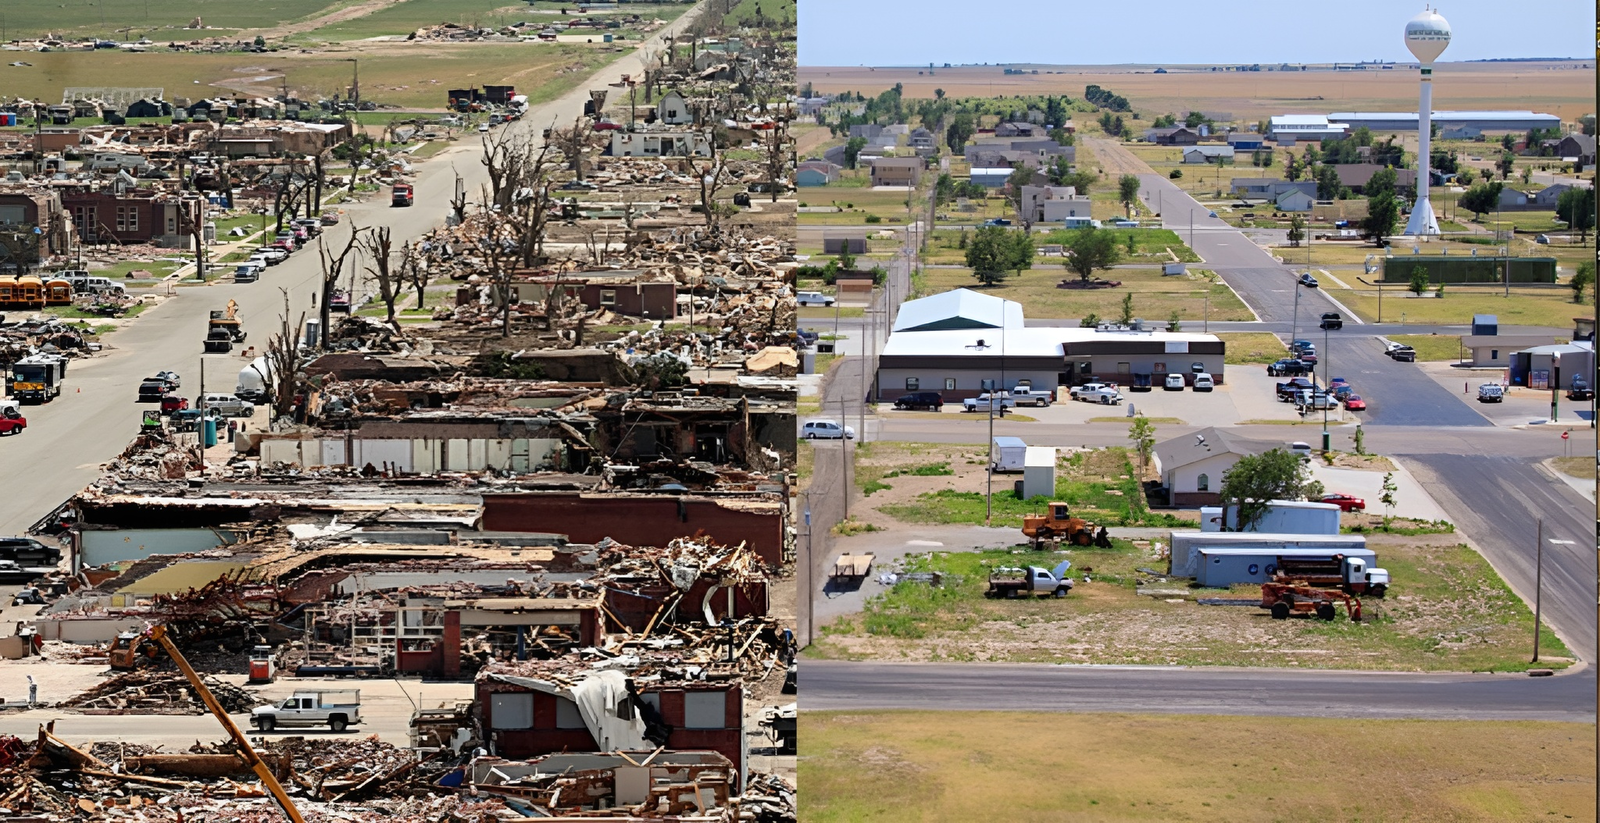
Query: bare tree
<point>458,202</point>
<point>711,172</point>
<point>332,267</point>
<point>390,281</point>
<point>283,362</point>
<point>414,271</point>
<point>779,151</point>
<point>574,143</point>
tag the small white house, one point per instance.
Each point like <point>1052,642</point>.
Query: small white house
<point>1294,200</point>
<point>1039,472</point>
<point>674,109</point>
<point>659,144</point>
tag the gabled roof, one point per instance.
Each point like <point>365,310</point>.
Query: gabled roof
<point>958,309</point>
<point>1209,442</point>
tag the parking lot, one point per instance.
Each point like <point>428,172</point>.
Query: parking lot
<point>1521,406</point>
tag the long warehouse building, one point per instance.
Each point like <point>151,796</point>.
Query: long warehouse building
<point>953,342</point>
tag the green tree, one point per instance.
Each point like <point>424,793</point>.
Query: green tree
<point>1328,185</point>
<point>847,260</point>
<point>1481,199</point>
<point>1255,480</point>
<point>1582,279</point>
<point>944,189</point>
<point>1508,141</point>
<point>989,255</point>
<point>1388,498</point>
<point>1505,164</point>
<point>1465,175</point>
<point>1088,250</point>
<point>1527,175</point>
<point>1143,434</point>
<point>1127,310</point>
<point>1089,321</point>
<point>852,150</point>
<point>1020,251</point>
<point>260,41</point>
<point>960,131</point>
<point>1291,166</point>
<point>1383,212</point>
<point>1297,231</point>
<point>1576,206</point>
<point>1130,244</point>
<point>1174,321</point>
<point>938,94</point>
<point>1128,192</point>
<point>1419,280</point>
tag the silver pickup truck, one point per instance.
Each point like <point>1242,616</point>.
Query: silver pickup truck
<point>335,708</point>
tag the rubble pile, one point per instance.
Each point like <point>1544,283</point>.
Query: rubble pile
<point>768,798</point>
<point>150,692</point>
<point>153,455</point>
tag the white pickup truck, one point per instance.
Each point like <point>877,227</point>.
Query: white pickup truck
<point>1104,394</point>
<point>985,401</point>
<point>1026,395</point>
<point>335,708</point>
<point>1084,391</point>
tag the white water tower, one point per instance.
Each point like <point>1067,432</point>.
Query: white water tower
<point>1427,35</point>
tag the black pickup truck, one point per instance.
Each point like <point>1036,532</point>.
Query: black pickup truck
<point>1289,367</point>
<point>1288,389</point>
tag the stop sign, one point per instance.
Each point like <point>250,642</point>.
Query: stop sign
<point>1563,435</point>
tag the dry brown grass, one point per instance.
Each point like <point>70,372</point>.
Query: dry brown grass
<point>1566,92</point>
<point>962,766</point>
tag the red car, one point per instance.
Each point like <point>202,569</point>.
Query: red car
<point>13,425</point>
<point>1353,402</point>
<point>172,403</point>
<point>1345,502</point>
<point>607,125</point>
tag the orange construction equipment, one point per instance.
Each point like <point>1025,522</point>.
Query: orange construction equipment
<point>1057,523</point>
<point>260,767</point>
<point>1295,597</point>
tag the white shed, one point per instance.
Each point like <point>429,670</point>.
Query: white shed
<point>1039,472</point>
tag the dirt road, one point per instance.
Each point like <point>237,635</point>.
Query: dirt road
<point>1114,159</point>
<point>339,15</point>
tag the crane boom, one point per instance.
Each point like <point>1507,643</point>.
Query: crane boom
<point>159,635</point>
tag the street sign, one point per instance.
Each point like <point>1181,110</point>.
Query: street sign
<point>1563,435</point>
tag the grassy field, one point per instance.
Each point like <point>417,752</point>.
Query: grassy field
<point>1575,466</point>
<point>155,18</point>
<point>1527,305</point>
<point>1149,246</point>
<point>1154,296</point>
<point>954,767</point>
<point>1099,485</point>
<point>406,17</point>
<point>1245,348</point>
<point>859,201</point>
<point>1447,611</point>
<point>542,71</point>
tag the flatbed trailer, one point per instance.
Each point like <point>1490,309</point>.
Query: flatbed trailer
<point>853,567</point>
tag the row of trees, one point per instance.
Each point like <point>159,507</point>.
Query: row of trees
<point>994,252</point>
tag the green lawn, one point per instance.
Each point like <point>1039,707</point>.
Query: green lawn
<point>959,766</point>
<point>1252,348</point>
<point>1155,296</point>
<point>104,18</point>
<point>1527,305</point>
<point>1099,485</point>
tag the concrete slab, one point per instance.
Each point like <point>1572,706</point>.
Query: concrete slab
<point>1411,498</point>
<point>1521,406</point>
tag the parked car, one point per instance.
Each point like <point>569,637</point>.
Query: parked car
<point>807,337</point>
<point>1026,395</point>
<point>1491,393</point>
<point>329,218</point>
<point>1203,382</point>
<point>921,400</point>
<point>1308,357</point>
<point>1342,390</point>
<point>1288,389</point>
<point>997,221</point>
<point>247,273</point>
<point>1346,502</point>
<point>989,401</point>
<point>826,430</point>
<point>172,403</point>
<point>1353,402</point>
<point>1299,347</point>
<point>336,708</point>
<point>814,298</point>
<point>151,391</point>
<point>1082,392</point>
<point>1288,367</point>
<point>1308,281</point>
<point>1580,390</point>
<point>188,420</point>
<point>1311,400</point>
<point>273,254</point>
<point>1332,320</point>
<point>1106,395</point>
<point>1300,448</point>
<point>171,378</point>
<point>1404,354</point>
<point>1174,382</point>
<point>228,405</point>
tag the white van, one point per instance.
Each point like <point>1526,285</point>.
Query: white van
<point>826,430</point>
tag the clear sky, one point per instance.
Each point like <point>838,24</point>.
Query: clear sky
<point>1075,32</point>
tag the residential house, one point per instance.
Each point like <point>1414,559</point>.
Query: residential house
<point>1051,204</point>
<point>1355,176</point>
<point>662,143</point>
<point>835,156</point>
<point>1192,465</point>
<point>1512,198</point>
<point>810,106</point>
<point>1580,147</point>
<point>1019,130</point>
<point>1262,188</point>
<point>1548,197</point>
<point>836,241</point>
<point>896,171</point>
<point>673,109</point>
<point>997,157</point>
<point>149,107</point>
<point>1207,154</point>
<point>628,292</point>
<point>124,215</point>
<point>22,212</point>
<point>1296,200</point>
<point>1246,140</point>
<point>866,131</point>
<point>1177,136</point>
<point>990,177</point>
<point>923,139</point>
<point>816,173</point>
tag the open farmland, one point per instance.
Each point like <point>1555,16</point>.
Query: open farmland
<point>394,74</point>
<point>1561,88</point>
<point>960,766</point>
<point>160,20</point>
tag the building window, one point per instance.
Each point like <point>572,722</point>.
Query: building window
<point>1203,484</point>
<point>1494,354</point>
<point>913,383</point>
<point>567,715</point>
<point>949,384</point>
<point>511,711</point>
<point>705,710</point>
<point>127,218</point>
<point>608,297</point>
<point>172,225</point>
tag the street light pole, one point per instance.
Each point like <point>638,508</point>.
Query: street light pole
<point>1538,587</point>
<point>1327,382</point>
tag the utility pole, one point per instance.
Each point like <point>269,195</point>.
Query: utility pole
<point>1538,586</point>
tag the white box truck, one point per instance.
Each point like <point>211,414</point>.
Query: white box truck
<point>1281,517</point>
<point>1010,454</point>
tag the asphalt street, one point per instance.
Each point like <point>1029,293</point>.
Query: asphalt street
<point>96,416</point>
<point>830,685</point>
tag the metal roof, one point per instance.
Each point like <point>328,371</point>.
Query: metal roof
<point>960,308</point>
